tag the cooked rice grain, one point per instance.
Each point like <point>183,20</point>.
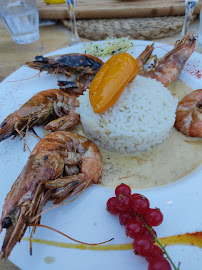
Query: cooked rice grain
<point>142,117</point>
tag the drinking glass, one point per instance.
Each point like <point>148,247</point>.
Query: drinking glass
<point>189,9</point>
<point>21,19</point>
<point>71,8</point>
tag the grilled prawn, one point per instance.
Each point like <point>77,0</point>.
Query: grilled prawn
<point>189,114</point>
<point>167,69</point>
<point>41,108</point>
<point>80,69</point>
<point>61,164</point>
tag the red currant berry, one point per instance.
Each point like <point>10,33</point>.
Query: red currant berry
<point>112,206</point>
<point>124,217</point>
<point>123,202</point>
<point>135,195</point>
<point>122,189</point>
<point>154,217</point>
<point>143,245</point>
<point>139,204</point>
<point>138,219</point>
<point>159,264</point>
<point>133,228</point>
<point>147,233</point>
<point>156,253</point>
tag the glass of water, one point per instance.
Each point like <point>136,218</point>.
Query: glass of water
<point>71,8</point>
<point>21,19</point>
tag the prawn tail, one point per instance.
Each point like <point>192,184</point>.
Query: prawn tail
<point>144,56</point>
<point>188,41</point>
<point>183,49</point>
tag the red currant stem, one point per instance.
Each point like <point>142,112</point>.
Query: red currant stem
<point>157,241</point>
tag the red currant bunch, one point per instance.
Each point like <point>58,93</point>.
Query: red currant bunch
<point>135,213</point>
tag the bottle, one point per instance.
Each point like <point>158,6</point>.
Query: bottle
<point>200,28</point>
<point>189,9</point>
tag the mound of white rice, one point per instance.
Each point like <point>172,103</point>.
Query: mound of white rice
<point>142,117</point>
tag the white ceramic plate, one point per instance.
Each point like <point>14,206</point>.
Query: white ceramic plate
<point>86,218</point>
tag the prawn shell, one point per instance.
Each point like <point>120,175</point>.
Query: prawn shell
<point>44,178</point>
<point>188,114</point>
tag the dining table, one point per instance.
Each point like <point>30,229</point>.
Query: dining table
<point>53,36</point>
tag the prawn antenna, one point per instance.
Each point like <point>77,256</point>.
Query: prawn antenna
<point>38,74</point>
<point>24,140</point>
<point>67,236</point>
<point>162,47</point>
<point>35,136</point>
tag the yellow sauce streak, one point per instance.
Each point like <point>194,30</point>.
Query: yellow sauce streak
<point>193,239</point>
<point>81,246</point>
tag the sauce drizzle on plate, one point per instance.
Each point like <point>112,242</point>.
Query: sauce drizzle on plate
<point>193,239</point>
